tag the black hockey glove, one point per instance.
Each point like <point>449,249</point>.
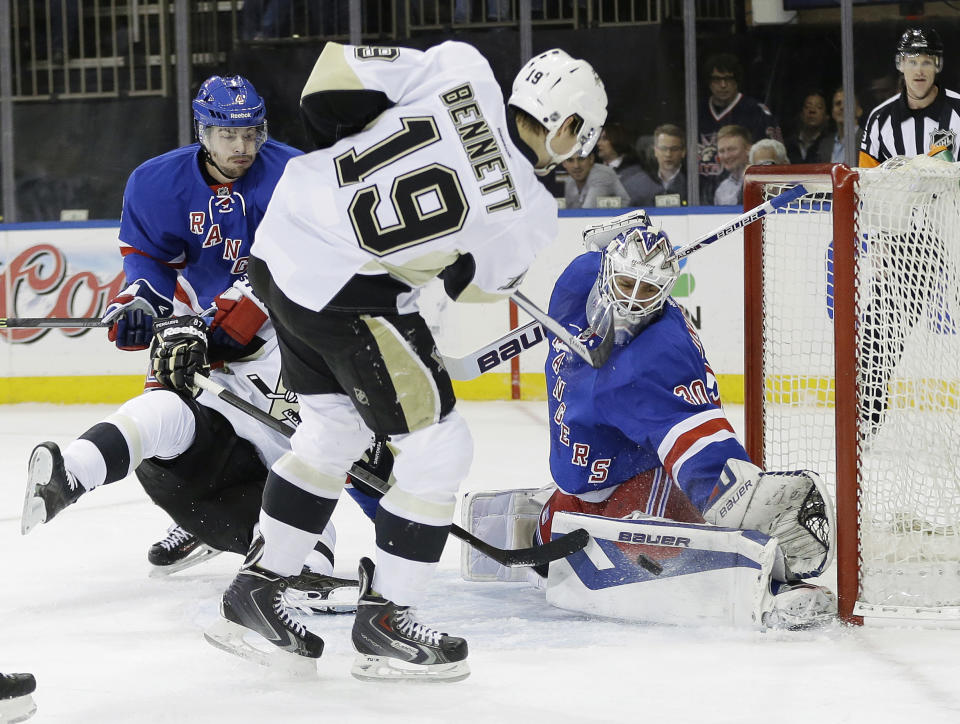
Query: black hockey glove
<point>179,352</point>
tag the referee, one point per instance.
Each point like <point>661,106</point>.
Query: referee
<point>910,265</point>
<point>904,125</point>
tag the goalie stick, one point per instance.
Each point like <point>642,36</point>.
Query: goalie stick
<point>745,219</point>
<point>537,556</point>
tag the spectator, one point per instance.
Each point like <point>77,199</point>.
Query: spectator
<point>733,152</point>
<point>831,146</point>
<point>726,105</point>
<point>588,181</point>
<point>803,146</point>
<point>768,152</point>
<point>615,149</point>
<point>668,187</point>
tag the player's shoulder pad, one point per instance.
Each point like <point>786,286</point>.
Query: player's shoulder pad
<point>568,299</point>
<point>278,148</point>
<point>669,336</point>
<point>160,171</point>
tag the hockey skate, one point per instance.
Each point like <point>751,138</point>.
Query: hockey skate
<point>16,702</point>
<point>798,606</point>
<point>392,645</point>
<point>177,551</point>
<point>50,488</point>
<point>318,593</point>
<point>253,610</point>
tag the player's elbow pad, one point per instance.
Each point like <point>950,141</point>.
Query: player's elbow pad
<point>457,276</point>
<point>331,115</point>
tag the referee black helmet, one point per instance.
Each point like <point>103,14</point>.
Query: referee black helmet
<point>919,41</point>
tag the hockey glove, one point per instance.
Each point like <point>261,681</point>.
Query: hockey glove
<point>179,352</point>
<point>239,316</point>
<point>131,314</point>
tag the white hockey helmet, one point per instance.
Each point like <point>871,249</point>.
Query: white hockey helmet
<point>551,87</point>
<point>637,274</point>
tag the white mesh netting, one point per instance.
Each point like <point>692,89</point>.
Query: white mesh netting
<point>908,382</point>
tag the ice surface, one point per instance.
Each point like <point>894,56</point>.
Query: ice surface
<point>108,644</point>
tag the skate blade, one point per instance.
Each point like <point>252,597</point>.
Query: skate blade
<point>233,638</point>
<point>39,471</point>
<point>197,556</point>
<point>339,600</point>
<point>17,710</point>
<point>385,668</point>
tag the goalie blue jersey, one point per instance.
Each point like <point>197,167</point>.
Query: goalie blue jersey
<point>655,403</point>
<point>188,239</point>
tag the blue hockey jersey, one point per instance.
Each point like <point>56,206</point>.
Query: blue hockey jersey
<point>188,239</point>
<point>654,403</point>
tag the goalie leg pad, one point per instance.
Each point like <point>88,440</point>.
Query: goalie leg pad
<point>502,518</point>
<point>793,507</point>
<point>660,571</point>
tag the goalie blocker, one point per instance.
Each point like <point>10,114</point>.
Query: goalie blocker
<point>663,571</point>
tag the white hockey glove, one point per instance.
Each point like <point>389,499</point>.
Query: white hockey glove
<point>179,352</point>
<point>131,314</point>
<point>792,507</point>
<point>597,236</point>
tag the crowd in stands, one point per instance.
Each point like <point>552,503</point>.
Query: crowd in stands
<point>735,131</point>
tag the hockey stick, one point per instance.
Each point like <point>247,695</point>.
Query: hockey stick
<point>596,357</point>
<point>540,555</point>
<point>500,350</point>
<point>41,322</point>
<point>745,219</point>
<point>460,368</point>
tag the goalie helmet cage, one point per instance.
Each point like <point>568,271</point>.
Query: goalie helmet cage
<point>852,368</point>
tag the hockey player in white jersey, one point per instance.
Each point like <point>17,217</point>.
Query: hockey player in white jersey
<point>422,172</point>
<point>684,528</point>
<point>199,459</point>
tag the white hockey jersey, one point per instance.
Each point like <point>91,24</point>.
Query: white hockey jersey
<point>435,176</point>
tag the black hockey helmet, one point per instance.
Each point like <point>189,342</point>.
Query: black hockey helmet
<point>919,41</point>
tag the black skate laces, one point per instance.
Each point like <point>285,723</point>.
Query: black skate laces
<point>409,627</point>
<point>175,536</point>
<point>283,613</point>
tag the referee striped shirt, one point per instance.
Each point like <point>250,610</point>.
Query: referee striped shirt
<point>894,129</point>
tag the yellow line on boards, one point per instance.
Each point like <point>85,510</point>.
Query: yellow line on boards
<point>103,389</point>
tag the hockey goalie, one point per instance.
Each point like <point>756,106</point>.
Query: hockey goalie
<point>684,528</point>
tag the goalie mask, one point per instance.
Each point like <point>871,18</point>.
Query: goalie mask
<point>552,87</point>
<point>637,274</point>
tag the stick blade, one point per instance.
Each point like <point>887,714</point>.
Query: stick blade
<point>560,547</point>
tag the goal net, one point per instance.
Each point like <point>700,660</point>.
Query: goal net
<point>852,320</point>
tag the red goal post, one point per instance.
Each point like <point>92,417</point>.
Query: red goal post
<point>852,368</point>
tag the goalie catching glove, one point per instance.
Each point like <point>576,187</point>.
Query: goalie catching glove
<point>792,507</point>
<point>179,352</point>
